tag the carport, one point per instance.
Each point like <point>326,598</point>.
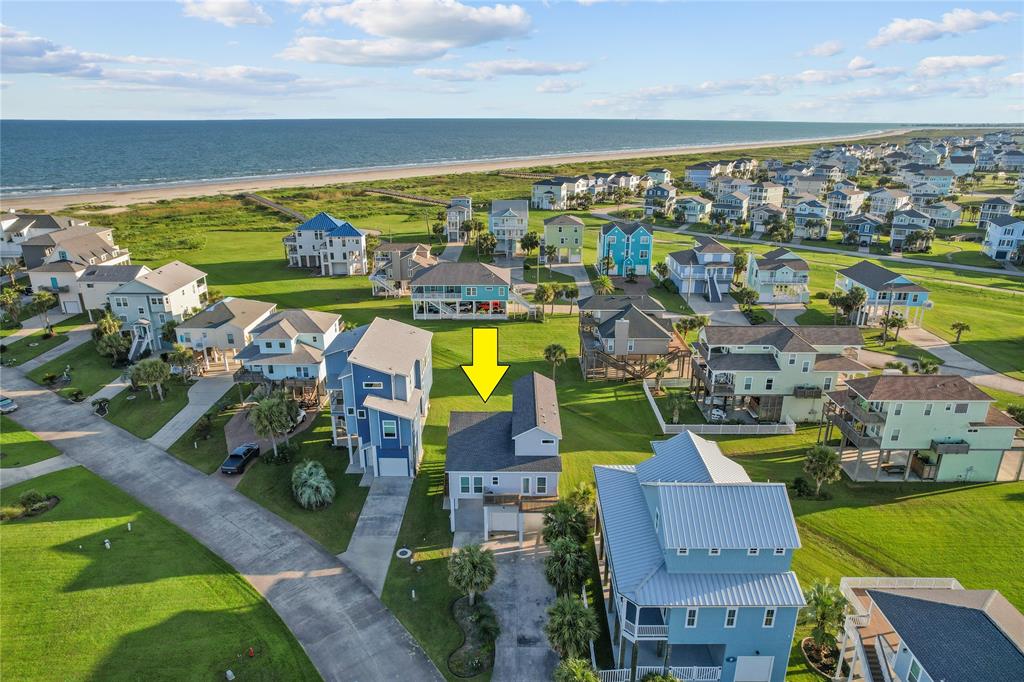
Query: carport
<point>517,514</point>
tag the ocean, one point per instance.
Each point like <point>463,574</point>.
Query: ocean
<point>55,157</point>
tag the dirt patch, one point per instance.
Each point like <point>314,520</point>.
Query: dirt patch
<point>822,661</point>
<point>480,629</point>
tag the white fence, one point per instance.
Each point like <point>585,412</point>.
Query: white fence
<point>684,674</point>
<point>787,427</point>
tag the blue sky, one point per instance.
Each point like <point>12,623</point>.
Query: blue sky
<point>821,61</point>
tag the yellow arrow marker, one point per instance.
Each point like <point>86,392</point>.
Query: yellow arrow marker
<point>485,372</point>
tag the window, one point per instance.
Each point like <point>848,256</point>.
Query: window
<point>389,428</point>
<point>828,383</point>
<point>806,366</point>
<point>730,618</point>
<point>547,441</point>
<point>768,383</point>
<point>682,551</point>
<point>501,291</point>
<point>779,551</point>
<point>630,344</point>
<point>895,435</point>
<point>371,385</point>
<point>691,618</point>
<point>281,344</point>
<point>470,291</point>
<point>351,411</point>
<point>478,484</point>
<point>526,486</point>
<point>714,551</point>
<point>464,485</point>
<point>542,485</point>
<point>769,618</point>
<point>270,369</point>
<point>748,383</point>
<point>961,408</point>
<point>792,359</point>
<point>753,551</point>
<point>643,255</point>
<point>897,409</point>
<point>915,671</point>
<point>361,414</point>
<point>268,345</point>
<point>645,240</point>
<point>231,338</point>
<point>927,409</point>
<point>610,239</point>
<point>494,480</point>
<point>657,519</point>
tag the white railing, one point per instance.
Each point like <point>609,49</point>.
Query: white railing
<point>848,585</point>
<point>682,673</point>
<point>617,675</point>
<point>788,426</point>
<point>652,631</point>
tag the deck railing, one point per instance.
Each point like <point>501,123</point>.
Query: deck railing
<point>788,426</point>
<point>682,673</point>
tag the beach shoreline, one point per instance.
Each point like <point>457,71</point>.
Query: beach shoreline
<point>138,195</point>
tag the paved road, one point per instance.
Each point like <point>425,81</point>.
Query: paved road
<point>201,397</point>
<point>373,540</point>
<point>958,363</point>
<point>16,475</point>
<point>346,631</point>
<point>579,273</point>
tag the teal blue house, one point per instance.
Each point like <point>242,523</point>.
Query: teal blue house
<point>629,245</point>
<point>695,563</point>
<point>462,291</point>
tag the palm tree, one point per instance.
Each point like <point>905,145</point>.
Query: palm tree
<point>658,368</point>
<point>853,300</point>
<point>181,357</point>
<point>113,345</point>
<point>835,299</point>
<point>826,608</point>
<point>107,324</point>
<point>898,322</point>
<point>886,321</point>
<point>311,487</point>
<point>959,327</point>
<point>11,270</point>
<point>10,302</point>
<point>607,263</point>
<point>926,366</point>
<point>42,301</point>
<point>529,242</point>
<point>567,566</point>
<point>603,285</point>
<point>550,253</point>
<point>556,355</point>
<point>570,627</point>
<point>739,263</point>
<point>570,293</point>
<point>153,373</point>
<point>563,520</point>
<point>575,670</point>
<point>661,270</point>
<point>583,498</point>
<point>267,418</point>
<point>544,294</point>
<point>471,570</point>
<point>822,463</point>
<point>690,324</point>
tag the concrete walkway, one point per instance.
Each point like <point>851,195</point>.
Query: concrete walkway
<point>579,273</point>
<point>452,251</point>
<point>76,337</point>
<point>726,312</point>
<point>16,475</point>
<point>346,631</point>
<point>958,363</point>
<point>112,389</point>
<point>373,540</point>
<point>34,324</point>
<point>201,397</point>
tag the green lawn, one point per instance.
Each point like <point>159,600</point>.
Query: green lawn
<point>689,414</point>
<point>672,301</point>
<point>90,371</point>
<point>157,605</point>
<point>270,485</point>
<point>20,447</point>
<point>873,341</point>
<point>545,274</point>
<point>28,347</point>
<point>144,416</point>
<point>207,455</point>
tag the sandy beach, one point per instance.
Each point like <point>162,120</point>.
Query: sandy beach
<point>121,198</point>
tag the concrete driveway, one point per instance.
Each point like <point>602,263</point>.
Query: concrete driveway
<point>16,475</point>
<point>202,395</point>
<point>346,631</point>
<point>726,312</point>
<point>373,539</point>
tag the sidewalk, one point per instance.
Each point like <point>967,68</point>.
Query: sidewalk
<point>452,251</point>
<point>201,397</point>
<point>34,324</point>
<point>76,337</point>
<point>373,540</point>
<point>16,475</point>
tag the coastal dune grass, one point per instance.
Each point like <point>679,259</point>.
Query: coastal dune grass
<point>157,605</point>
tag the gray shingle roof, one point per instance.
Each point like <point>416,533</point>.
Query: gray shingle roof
<point>802,339</point>
<point>482,441</point>
<point>535,405</point>
<point>301,320</point>
<point>112,273</point>
<point>241,311</point>
<point>917,387</point>
<point>627,228</point>
<point>609,302</point>
<point>170,277</point>
<point>875,276</point>
<point>391,346</point>
<point>520,207</point>
<point>456,274</point>
<point>641,325</point>
<point>564,219</point>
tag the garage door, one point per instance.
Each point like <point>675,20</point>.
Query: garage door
<point>72,307</point>
<point>641,269</point>
<point>754,668</point>
<point>392,466</point>
<point>502,520</point>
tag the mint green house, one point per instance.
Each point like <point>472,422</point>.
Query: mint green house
<point>926,427</point>
<point>565,234</point>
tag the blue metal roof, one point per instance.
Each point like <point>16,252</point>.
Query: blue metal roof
<point>726,516</point>
<point>689,458</point>
<point>719,589</point>
<point>952,642</point>
<point>629,532</point>
<point>325,222</point>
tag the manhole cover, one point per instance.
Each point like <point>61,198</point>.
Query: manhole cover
<point>404,553</point>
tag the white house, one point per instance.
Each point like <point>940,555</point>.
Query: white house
<point>811,219</point>
<point>844,202</point>
<point>508,221</point>
<point>1004,238</point>
<point>943,213</point>
<point>693,209</point>
<point>458,213</point>
<point>224,328</point>
<point>19,227</point>
<point>553,194</point>
<point>327,244</point>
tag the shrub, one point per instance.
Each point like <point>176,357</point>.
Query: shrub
<point>575,670</point>
<point>821,295</point>
<point>285,453</point>
<point>3,348</point>
<point>657,677</point>
<point>486,622</point>
<point>78,395</point>
<point>31,498</point>
<point>311,487</point>
<point>802,488</point>
<point>49,378</point>
<point>1016,411</point>
<point>203,427</point>
<point>670,286</point>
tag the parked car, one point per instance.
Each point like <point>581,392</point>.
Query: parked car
<point>301,417</point>
<point>7,405</point>
<point>239,458</point>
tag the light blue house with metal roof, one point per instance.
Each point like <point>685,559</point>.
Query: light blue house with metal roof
<point>628,245</point>
<point>695,564</point>
<point>327,244</point>
<point>378,382</point>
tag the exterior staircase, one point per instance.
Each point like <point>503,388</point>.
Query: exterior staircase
<point>382,285</point>
<point>714,293</point>
<point>532,309</point>
<point>140,339</point>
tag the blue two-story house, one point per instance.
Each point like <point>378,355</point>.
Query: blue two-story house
<point>378,382</point>
<point>623,248</point>
<point>706,269</point>
<point>695,565</point>
<point>886,292</point>
<point>463,291</point>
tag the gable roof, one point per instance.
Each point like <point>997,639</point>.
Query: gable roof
<point>876,277</point>
<point>710,245</point>
<point>781,258</point>
<point>564,219</point>
<point>241,311</point>
<point>391,346</point>
<point>297,321</point>
<point>917,387</point>
<point>482,441</point>
<point>535,405</point>
<point>624,227</point>
<point>510,207</point>
<point>448,273</point>
<point>612,302</point>
<point>1004,220</point>
<point>802,339</point>
<point>16,222</point>
<point>641,325</point>
<point>325,222</point>
<point>167,278</point>
<point>688,457</point>
<point>112,273</point>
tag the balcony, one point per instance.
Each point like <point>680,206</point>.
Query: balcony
<point>716,384</point>
<point>958,447</point>
<point>857,437</point>
<point>290,239</point>
<point>855,409</point>
<point>807,392</point>
<point>63,289</point>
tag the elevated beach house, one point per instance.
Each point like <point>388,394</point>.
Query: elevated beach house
<point>328,245</point>
<point>766,216</point>
<point>693,209</point>
<point>811,219</point>
<point>378,383</point>
<point>1004,238</point>
<point>887,292</point>
<point>992,208</point>
<point>910,230</point>
<point>144,305</point>
<point>462,291</point>
<point>843,203</point>
<point>772,373</point>
<point>457,214</point>
<point>925,427</point>
<point>660,200</point>
<point>731,207</point>
<point>501,468</point>
<point>565,234</point>
<point>705,269</point>
<point>862,228</point>
<point>779,276</point>
<point>16,228</point>
<point>223,328</point>
<point>885,200</point>
<point>694,560</point>
<point>396,264</point>
<point>509,220</point>
<point>621,337</point>
<point>287,352</point>
<point>623,248</point>
<point>553,194</point>
<point>929,629</point>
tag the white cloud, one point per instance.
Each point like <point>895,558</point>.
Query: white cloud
<point>858,63</point>
<point>1015,79</point>
<point>956,22</point>
<point>229,13</point>
<point>930,67</point>
<point>482,71</point>
<point>388,52</point>
<point>829,48</point>
<point>558,86</point>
